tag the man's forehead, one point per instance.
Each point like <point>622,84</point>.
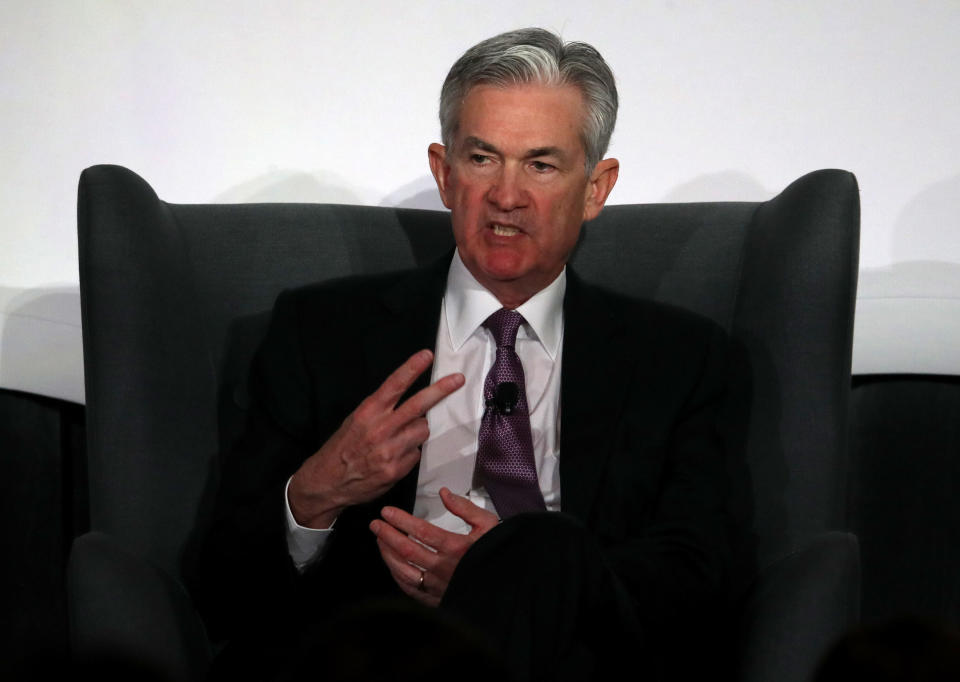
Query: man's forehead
<point>537,110</point>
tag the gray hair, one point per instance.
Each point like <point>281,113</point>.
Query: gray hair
<point>535,55</point>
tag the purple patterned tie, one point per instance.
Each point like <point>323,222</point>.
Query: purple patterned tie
<point>505,463</point>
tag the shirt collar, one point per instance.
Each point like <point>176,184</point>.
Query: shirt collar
<point>467,304</point>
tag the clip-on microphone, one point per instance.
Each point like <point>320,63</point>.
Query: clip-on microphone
<point>505,398</point>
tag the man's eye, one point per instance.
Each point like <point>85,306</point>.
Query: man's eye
<point>542,167</point>
<point>479,159</point>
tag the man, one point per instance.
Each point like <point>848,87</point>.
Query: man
<point>558,484</point>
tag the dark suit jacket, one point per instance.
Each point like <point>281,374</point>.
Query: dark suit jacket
<point>641,464</point>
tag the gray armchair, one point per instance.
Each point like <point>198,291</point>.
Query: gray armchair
<point>176,297</point>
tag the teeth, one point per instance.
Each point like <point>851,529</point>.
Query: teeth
<point>504,230</point>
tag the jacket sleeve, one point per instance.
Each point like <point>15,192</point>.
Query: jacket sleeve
<point>245,577</point>
<point>673,553</point>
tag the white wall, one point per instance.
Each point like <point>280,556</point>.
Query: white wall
<point>336,101</point>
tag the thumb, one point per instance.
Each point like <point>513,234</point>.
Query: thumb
<point>467,510</point>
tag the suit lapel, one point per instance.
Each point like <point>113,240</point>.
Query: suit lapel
<point>597,366</point>
<point>411,313</point>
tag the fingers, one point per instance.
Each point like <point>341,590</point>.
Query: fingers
<point>403,571</point>
<point>408,578</point>
<point>411,550</point>
<point>401,538</point>
<point>411,436</point>
<point>418,404</point>
<point>385,398</point>
<point>478,517</point>
<point>407,425</point>
<point>402,378</point>
<point>423,531</point>
<point>377,445</point>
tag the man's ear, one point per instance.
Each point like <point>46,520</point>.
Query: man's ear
<point>437,154</point>
<point>601,181</point>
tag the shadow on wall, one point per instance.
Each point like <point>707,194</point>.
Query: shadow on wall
<point>730,185</point>
<point>421,193</point>
<point>323,187</point>
<point>319,187</point>
<point>917,279</point>
<point>928,227</point>
<point>41,347</point>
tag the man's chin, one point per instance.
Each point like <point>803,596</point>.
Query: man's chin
<point>502,272</point>
<point>512,287</point>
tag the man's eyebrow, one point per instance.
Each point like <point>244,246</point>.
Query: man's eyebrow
<point>476,142</point>
<point>481,144</point>
<point>545,151</point>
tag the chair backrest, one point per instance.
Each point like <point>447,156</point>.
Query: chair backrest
<point>176,297</point>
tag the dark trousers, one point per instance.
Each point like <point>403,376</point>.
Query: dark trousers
<point>538,588</point>
<point>531,600</point>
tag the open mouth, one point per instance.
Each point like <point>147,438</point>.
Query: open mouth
<point>505,230</point>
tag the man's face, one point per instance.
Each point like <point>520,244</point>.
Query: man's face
<point>515,184</point>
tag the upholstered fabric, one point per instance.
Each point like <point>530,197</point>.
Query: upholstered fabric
<point>176,297</point>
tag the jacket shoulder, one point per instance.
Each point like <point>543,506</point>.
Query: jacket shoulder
<point>641,315</point>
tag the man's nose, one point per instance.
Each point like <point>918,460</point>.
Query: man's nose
<point>507,191</point>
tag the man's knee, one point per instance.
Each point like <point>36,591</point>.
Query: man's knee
<point>534,540</point>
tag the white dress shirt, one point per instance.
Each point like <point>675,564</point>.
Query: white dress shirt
<point>463,345</point>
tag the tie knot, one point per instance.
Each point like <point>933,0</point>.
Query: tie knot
<point>504,324</point>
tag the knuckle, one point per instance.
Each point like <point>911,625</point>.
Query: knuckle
<point>379,448</point>
<point>362,410</point>
<point>363,416</point>
<point>407,551</point>
<point>378,434</point>
<point>421,428</point>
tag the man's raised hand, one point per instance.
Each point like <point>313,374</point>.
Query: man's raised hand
<point>376,446</point>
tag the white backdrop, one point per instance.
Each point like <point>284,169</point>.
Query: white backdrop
<point>336,101</point>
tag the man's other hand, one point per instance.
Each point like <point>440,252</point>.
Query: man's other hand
<point>422,557</point>
<point>376,446</point>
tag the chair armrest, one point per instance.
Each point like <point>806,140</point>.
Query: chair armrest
<point>799,606</point>
<point>124,610</point>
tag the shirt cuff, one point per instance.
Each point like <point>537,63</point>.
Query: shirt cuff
<point>305,545</point>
